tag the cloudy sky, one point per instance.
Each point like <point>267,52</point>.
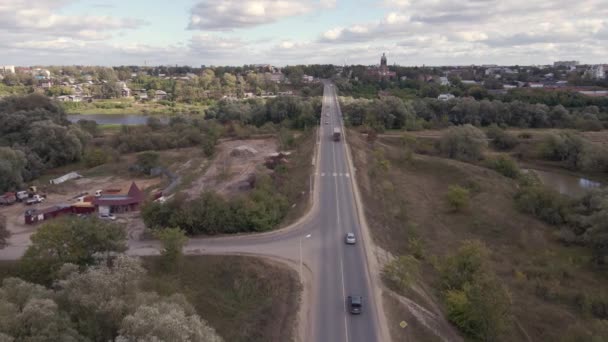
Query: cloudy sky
<point>282,32</point>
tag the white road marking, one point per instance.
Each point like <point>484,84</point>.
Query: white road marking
<point>322,174</point>
<point>335,174</point>
<point>347,175</point>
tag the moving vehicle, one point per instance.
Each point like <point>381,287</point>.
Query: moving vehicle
<point>107,217</point>
<point>350,239</point>
<point>337,134</point>
<point>355,304</point>
<point>35,199</point>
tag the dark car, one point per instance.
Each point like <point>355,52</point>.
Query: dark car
<point>355,304</point>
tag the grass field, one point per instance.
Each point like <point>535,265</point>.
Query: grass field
<point>408,201</point>
<point>130,106</point>
<point>243,298</point>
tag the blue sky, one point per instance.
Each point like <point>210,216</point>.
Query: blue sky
<point>236,32</point>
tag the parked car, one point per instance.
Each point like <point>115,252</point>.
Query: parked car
<point>8,198</point>
<point>22,195</point>
<point>107,217</point>
<point>35,199</point>
<point>355,304</point>
<point>350,239</point>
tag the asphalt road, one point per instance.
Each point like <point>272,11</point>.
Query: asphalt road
<point>342,269</point>
<point>317,242</point>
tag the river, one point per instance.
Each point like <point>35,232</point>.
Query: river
<point>115,119</point>
<point>566,184</point>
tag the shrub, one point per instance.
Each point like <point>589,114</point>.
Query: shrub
<point>95,157</point>
<point>543,203</point>
<point>504,165</point>
<point>463,143</point>
<point>460,268</point>
<point>173,241</point>
<point>146,161</point>
<point>401,272</point>
<point>458,198</point>
<point>501,139</point>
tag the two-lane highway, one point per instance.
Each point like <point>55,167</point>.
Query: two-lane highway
<point>342,268</point>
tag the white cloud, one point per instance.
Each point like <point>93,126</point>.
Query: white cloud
<point>223,15</point>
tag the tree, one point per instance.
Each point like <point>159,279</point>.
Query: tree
<point>501,140</point>
<point>458,198</point>
<point>29,313</point>
<point>69,240</point>
<point>95,157</point>
<point>12,167</point>
<point>165,321</point>
<point>173,241</point>
<point>463,142</point>
<point>481,309</point>
<point>99,297</point>
<point>146,161</point>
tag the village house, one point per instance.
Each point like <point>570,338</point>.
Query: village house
<point>160,95</point>
<point>111,201</point>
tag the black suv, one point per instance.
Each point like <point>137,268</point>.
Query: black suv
<point>355,304</point>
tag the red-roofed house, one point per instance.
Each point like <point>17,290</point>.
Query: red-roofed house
<point>119,203</point>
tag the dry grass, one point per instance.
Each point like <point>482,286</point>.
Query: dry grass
<point>243,298</point>
<point>409,201</point>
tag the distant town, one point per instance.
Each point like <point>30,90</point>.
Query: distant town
<point>190,85</point>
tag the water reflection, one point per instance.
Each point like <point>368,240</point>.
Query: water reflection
<point>566,184</point>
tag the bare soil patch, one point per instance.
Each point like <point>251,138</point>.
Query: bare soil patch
<point>235,162</point>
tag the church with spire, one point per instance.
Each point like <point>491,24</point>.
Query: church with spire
<point>382,72</point>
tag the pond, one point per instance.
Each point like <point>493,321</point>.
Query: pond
<point>115,119</point>
<point>566,184</point>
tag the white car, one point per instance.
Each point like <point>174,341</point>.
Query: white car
<point>107,217</point>
<point>350,239</point>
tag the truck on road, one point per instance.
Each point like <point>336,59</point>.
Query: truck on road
<point>337,134</point>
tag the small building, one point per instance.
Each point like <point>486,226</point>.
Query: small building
<point>160,95</point>
<point>33,216</point>
<point>125,92</point>
<point>108,203</point>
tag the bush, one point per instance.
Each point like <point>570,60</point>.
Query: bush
<point>504,165</point>
<point>146,161</point>
<point>173,241</point>
<point>458,198</point>
<point>481,309</point>
<point>501,139</point>
<point>543,203</point>
<point>477,303</point>
<point>401,272</point>
<point>464,143</point>
<point>95,157</point>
